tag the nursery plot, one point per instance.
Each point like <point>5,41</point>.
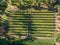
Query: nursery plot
<point>42,24</point>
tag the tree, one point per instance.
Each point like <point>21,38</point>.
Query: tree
<point>3,5</point>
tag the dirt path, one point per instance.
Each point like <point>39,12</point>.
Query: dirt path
<point>57,23</point>
<point>57,43</point>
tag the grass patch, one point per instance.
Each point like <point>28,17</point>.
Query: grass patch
<point>35,42</point>
<point>58,37</point>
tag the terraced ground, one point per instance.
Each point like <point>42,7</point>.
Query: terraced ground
<point>42,23</point>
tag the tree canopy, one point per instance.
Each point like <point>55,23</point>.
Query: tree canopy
<point>3,5</point>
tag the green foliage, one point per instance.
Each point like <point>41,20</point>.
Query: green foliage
<point>28,1</point>
<point>35,42</point>
<point>4,18</point>
<point>25,42</point>
<point>3,42</point>
<point>58,37</point>
<point>36,4</point>
<point>41,42</point>
<point>15,2</point>
<point>3,5</point>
